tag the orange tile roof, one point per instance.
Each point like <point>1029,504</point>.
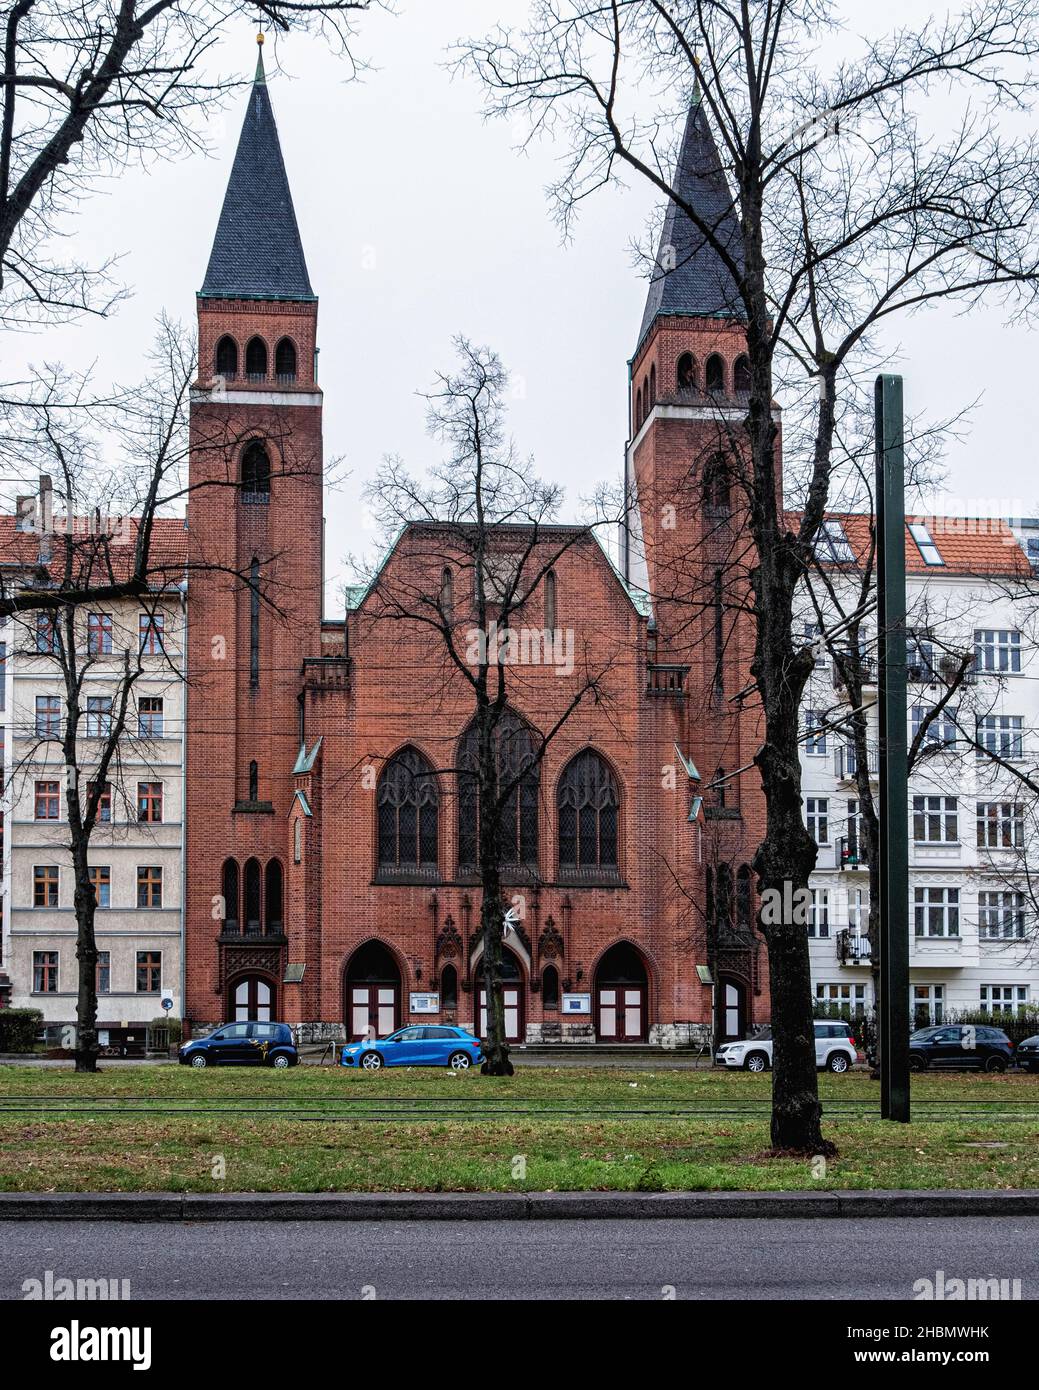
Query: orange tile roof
<point>976,546</point>
<point>167,552</point>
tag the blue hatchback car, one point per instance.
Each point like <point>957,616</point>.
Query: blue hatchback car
<point>243,1045</point>
<point>420,1045</point>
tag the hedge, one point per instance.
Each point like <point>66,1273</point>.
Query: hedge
<point>18,1029</point>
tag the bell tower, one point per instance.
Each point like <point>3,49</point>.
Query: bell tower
<point>255,573</point>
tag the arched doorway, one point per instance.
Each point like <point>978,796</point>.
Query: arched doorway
<point>513,997</point>
<point>371,992</point>
<point>621,996</point>
<point>730,1009</point>
<point>251,998</point>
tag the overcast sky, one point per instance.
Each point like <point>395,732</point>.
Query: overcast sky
<point>420,221</point>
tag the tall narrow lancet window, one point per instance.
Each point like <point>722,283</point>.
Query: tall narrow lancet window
<point>653,385</point>
<point>252,897</point>
<point>256,474</point>
<point>285,360</point>
<point>254,781</point>
<point>638,410</point>
<point>448,988</point>
<point>550,601</point>
<point>272,897</point>
<point>744,897</point>
<point>230,893</point>
<point>714,374</point>
<point>256,360</point>
<point>587,802</point>
<point>719,636</point>
<point>717,485</point>
<point>741,374</point>
<point>254,624</point>
<point>407,804</point>
<point>518,782</point>
<point>227,358</point>
<point>685,374</point>
<point>447,593</point>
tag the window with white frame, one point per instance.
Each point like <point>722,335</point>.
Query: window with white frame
<point>858,910</point>
<point>817,818</point>
<point>920,663</point>
<point>927,1004</point>
<point>1004,999</point>
<point>841,998</point>
<point>814,639</point>
<point>831,543</point>
<point>815,732</point>
<point>929,552</point>
<point>819,913</point>
<point>941,730</point>
<point>997,649</point>
<point>1001,825</point>
<point>935,821</point>
<point>1001,734</point>
<point>1001,914</point>
<point>936,912</point>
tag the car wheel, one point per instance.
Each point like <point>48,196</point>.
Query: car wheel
<point>459,1061</point>
<point>995,1063</point>
<point>281,1060</point>
<point>837,1061</point>
<point>199,1060</point>
<point>371,1061</point>
<point>757,1061</point>
<point>916,1063</point>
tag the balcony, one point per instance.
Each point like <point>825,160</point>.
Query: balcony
<point>326,674</point>
<point>852,947</point>
<point>867,668</point>
<point>845,762</point>
<point>851,855</point>
<point>666,681</point>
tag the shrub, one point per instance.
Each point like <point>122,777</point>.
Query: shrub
<point>18,1029</point>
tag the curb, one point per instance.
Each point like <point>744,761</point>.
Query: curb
<point>506,1206</point>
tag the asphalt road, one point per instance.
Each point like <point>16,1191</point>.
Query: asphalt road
<point>732,1259</point>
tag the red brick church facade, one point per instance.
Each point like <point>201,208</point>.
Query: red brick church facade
<point>328,873</point>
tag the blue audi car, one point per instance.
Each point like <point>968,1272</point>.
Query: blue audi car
<point>424,1045</point>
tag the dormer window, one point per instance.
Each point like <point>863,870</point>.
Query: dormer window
<point>256,360</point>
<point>285,360</point>
<point>256,474</point>
<point>227,358</point>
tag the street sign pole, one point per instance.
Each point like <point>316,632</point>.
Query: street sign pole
<point>894,753</point>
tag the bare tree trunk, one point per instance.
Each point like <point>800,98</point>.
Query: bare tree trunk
<point>86,955</point>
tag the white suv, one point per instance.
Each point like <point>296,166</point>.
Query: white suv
<point>834,1049</point>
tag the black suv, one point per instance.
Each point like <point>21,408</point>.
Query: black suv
<point>243,1045</point>
<point>949,1045</point>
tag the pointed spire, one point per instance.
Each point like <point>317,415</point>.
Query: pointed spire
<point>689,277</point>
<point>257,252</point>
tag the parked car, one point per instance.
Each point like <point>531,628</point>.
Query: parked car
<point>426,1045</point>
<point>1026,1053</point>
<point>242,1045</point>
<point>948,1045</point>
<point>834,1048</point>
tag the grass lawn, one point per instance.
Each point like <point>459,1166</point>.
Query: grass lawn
<point>327,1129</point>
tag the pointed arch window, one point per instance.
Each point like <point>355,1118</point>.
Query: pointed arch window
<point>256,474</point>
<point>252,897</point>
<point>741,374</point>
<point>518,781</point>
<point>744,898</point>
<point>447,593</point>
<point>408,808</point>
<point>448,988</point>
<point>256,360</point>
<point>717,486</point>
<point>638,409</point>
<point>550,989</point>
<point>272,898</point>
<point>685,373</point>
<point>227,358</point>
<point>714,374</point>
<point>588,803</point>
<point>285,360</point>
<point>550,601</point>
<point>230,893</point>
<point>653,385</point>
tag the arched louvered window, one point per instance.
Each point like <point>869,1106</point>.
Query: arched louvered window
<point>741,374</point>
<point>227,358</point>
<point>517,772</point>
<point>256,359</point>
<point>256,473</point>
<point>588,803</point>
<point>685,373</point>
<point>252,897</point>
<point>272,898</point>
<point>407,805</point>
<point>285,360</point>
<point>550,601</point>
<point>714,374</point>
<point>230,891</point>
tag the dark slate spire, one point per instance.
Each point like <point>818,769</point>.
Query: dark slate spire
<point>689,276</point>
<point>257,253</point>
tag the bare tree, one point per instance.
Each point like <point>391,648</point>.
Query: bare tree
<point>480,543</point>
<point>849,215</point>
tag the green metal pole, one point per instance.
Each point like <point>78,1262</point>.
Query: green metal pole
<point>894,753</point>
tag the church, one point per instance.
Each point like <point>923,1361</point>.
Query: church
<point>330,878</point>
